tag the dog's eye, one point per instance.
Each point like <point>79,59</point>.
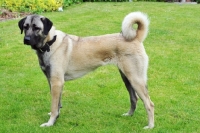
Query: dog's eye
<point>26,27</point>
<point>37,28</point>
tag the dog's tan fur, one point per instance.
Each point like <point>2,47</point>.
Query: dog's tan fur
<point>71,57</point>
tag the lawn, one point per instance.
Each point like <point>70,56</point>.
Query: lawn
<point>96,102</point>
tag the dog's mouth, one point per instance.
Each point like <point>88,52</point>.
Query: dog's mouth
<point>27,41</point>
<point>34,42</point>
<point>33,46</point>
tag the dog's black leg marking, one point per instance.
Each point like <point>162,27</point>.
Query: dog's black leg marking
<point>133,97</point>
<point>60,103</point>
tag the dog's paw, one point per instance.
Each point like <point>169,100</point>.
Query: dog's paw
<point>46,124</point>
<point>148,127</point>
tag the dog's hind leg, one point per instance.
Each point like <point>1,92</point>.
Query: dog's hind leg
<point>140,88</point>
<point>142,91</point>
<point>135,69</point>
<point>132,94</point>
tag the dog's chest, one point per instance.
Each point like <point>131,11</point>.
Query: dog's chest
<point>44,63</point>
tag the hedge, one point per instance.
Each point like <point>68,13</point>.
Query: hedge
<point>35,6</point>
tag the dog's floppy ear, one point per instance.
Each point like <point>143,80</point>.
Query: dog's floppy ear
<point>21,23</point>
<point>47,25</point>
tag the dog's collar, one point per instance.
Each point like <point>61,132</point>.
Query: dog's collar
<point>47,45</point>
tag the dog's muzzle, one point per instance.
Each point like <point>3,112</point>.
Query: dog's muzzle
<point>27,40</point>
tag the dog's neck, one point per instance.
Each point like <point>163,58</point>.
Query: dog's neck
<point>46,47</point>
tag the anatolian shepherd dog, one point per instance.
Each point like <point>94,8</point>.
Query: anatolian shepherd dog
<point>64,57</point>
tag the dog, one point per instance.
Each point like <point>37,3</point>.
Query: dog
<point>64,57</point>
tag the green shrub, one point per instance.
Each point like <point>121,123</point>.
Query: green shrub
<point>35,6</point>
<point>67,3</point>
<point>198,1</point>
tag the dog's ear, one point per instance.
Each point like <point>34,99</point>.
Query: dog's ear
<point>47,25</point>
<point>21,23</point>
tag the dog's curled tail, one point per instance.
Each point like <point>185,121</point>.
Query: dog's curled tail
<point>129,33</point>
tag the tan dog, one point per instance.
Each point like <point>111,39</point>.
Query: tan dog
<point>64,57</point>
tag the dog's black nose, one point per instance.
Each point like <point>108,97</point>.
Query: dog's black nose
<point>27,40</point>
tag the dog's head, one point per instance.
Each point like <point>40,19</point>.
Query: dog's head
<point>36,29</point>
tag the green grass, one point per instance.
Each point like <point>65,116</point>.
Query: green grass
<point>95,102</point>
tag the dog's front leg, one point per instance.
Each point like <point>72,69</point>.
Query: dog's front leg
<point>56,90</point>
